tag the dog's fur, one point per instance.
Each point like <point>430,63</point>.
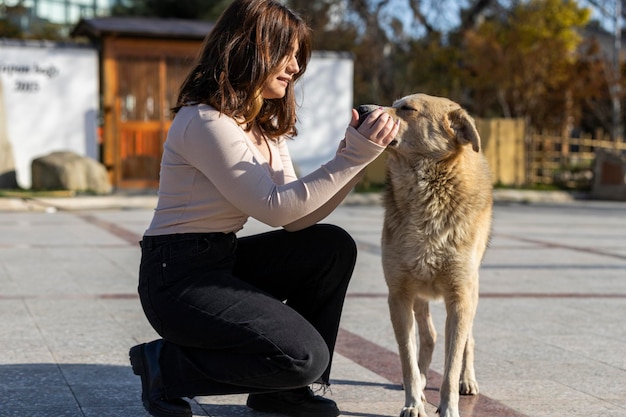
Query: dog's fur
<point>438,210</point>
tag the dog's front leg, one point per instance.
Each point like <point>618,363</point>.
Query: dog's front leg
<point>469,385</point>
<point>460,310</point>
<point>403,322</point>
<point>427,337</point>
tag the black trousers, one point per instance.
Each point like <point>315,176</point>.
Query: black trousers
<point>251,314</point>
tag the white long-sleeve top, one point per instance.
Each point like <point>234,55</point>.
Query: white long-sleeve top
<point>213,178</point>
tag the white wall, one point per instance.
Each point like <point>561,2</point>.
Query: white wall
<point>51,103</point>
<point>50,94</point>
<point>325,93</point>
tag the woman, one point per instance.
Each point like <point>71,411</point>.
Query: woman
<point>256,314</point>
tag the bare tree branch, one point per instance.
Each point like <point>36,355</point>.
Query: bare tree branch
<point>471,16</point>
<point>419,16</point>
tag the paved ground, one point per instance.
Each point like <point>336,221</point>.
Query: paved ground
<point>550,330</point>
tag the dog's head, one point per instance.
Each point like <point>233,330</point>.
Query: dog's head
<point>433,127</point>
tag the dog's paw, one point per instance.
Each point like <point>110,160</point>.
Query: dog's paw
<point>448,412</point>
<point>468,387</point>
<point>417,411</point>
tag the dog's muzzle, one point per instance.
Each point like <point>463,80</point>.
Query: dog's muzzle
<point>364,110</point>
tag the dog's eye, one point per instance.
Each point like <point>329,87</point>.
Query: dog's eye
<point>406,107</point>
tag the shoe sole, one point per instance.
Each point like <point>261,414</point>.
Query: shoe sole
<point>136,360</point>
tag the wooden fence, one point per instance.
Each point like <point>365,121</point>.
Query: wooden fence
<point>566,161</point>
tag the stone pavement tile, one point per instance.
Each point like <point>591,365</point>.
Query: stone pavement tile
<point>116,411</point>
<point>133,221</point>
<point>551,408</point>
<point>20,351</point>
<point>368,266</point>
<point>540,258</point>
<point>601,349</point>
<point>129,316</point>
<point>541,317</point>
<point>369,318</point>
<point>531,390</point>
<point>102,395</point>
<point>26,401</point>
<point>30,272</point>
<point>44,410</point>
<point>16,321</point>
<point>40,230</point>
<point>512,281</point>
<point>36,376</point>
<point>593,378</point>
<point>71,312</point>
<point>105,374</point>
<point>228,406</point>
<point>361,392</point>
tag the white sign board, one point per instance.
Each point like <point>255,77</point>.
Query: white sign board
<point>50,97</point>
<point>325,96</point>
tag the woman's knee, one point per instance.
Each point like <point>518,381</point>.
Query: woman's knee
<point>307,368</point>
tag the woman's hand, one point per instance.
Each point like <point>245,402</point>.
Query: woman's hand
<point>378,126</point>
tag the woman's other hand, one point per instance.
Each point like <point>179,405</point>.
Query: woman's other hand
<point>378,126</point>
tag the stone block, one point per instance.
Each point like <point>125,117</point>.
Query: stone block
<point>64,170</point>
<point>609,181</point>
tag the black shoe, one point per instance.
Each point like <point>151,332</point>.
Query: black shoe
<point>144,359</point>
<point>299,402</point>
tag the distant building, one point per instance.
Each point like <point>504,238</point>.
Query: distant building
<point>31,15</point>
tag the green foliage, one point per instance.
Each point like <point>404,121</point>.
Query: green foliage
<point>9,30</point>
<point>526,64</point>
<point>40,29</point>
<point>540,21</point>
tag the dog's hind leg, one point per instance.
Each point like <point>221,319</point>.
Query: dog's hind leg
<point>427,337</point>
<point>460,309</point>
<point>403,321</point>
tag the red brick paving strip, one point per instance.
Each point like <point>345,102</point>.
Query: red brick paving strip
<point>386,363</point>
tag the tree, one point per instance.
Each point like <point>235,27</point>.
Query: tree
<point>512,58</point>
<point>526,63</point>
<point>330,31</point>
<point>10,17</point>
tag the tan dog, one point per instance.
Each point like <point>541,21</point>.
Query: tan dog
<point>438,209</point>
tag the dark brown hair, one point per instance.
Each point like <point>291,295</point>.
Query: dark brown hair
<point>249,41</point>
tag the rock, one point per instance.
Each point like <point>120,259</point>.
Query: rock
<point>8,177</point>
<point>609,180</point>
<point>66,170</point>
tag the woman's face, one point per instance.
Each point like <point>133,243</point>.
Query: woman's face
<point>281,77</point>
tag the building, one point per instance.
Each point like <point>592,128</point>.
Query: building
<point>32,16</point>
<point>143,62</point>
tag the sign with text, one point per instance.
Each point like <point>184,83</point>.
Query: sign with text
<point>49,95</point>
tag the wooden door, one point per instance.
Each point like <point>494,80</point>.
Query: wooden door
<point>147,89</point>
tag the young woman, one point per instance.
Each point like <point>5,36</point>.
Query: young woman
<point>256,314</point>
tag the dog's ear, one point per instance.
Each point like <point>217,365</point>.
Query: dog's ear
<point>463,128</point>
